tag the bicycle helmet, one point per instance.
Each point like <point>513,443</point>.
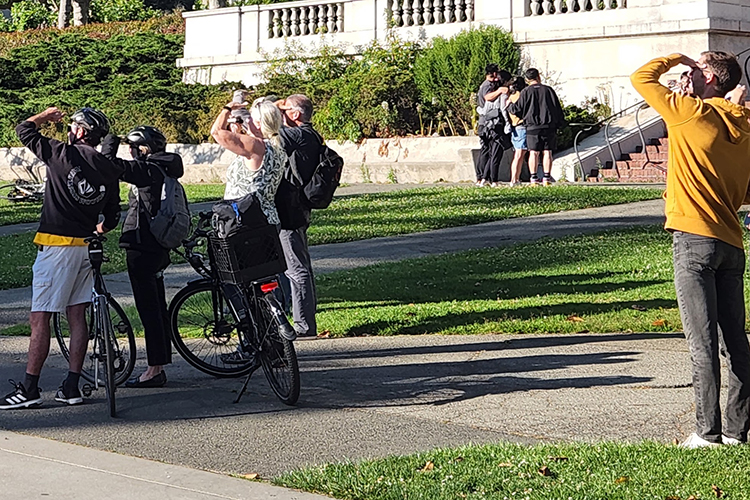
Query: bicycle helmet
<point>93,121</point>
<point>151,137</point>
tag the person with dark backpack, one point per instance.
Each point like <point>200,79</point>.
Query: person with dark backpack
<point>156,219</point>
<point>303,145</point>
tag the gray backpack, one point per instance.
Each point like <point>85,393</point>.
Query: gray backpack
<point>171,224</point>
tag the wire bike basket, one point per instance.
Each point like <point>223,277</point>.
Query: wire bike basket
<point>247,254</point>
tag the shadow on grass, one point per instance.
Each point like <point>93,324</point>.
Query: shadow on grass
<point>438,323</point>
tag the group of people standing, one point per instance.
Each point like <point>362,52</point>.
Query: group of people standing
<point>277,153</point>
<point>519,113</point>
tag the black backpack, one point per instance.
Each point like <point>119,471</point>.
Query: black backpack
<point>318,193</point>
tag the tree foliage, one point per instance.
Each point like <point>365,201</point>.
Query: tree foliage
<point>451,70</point>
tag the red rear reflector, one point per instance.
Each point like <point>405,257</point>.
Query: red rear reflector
<point>269,287</point>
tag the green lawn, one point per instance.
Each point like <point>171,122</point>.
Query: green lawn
<point>608,282</point>
<point>607,471</point>
<point>357,217</point>
<point>402,212</point>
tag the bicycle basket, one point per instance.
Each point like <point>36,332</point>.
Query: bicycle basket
<point>248,254</point>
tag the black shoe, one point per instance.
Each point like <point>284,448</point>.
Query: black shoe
<point>155,381</point>
<point>237,357</point>
<point>74,398</point>
<point>20,398</point>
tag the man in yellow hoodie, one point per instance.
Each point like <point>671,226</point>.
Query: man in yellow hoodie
<point>707,181</point>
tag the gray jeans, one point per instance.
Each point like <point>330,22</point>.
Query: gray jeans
<point>300,274</point>
<point>708,278</point>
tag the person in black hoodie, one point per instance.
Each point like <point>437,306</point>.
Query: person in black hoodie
<point>146,258</point>
<point>540,109</point>
<point>81,185</point>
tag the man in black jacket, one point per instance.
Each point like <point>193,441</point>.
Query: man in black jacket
<point>540,109</point>
<point>81,184</point>
<point>146,258</point>
<point>302,144</point>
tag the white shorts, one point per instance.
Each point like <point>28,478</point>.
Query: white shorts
<point>62,277</point>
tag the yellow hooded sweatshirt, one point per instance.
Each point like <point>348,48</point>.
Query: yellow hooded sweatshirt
<point>709,156</point>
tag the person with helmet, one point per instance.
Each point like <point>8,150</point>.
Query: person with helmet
<point>146,258</point>
<point>81,184</point>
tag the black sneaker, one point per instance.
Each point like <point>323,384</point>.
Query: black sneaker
<point>74,398</point>
<point>20,398</point>
<point>534,181</point>
<point>238,357</point>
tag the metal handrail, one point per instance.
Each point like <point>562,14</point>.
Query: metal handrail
<point>606,122</point>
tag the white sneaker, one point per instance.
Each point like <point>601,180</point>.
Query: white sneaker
<point>494,184</point>
<point>730,441</point>
<point>483,183</point>
<point>695,441</point>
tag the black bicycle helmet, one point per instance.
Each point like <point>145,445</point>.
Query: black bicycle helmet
<point>151,137</point>
<point>93,121</point>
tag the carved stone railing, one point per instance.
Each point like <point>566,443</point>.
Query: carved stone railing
<point>550,7</point>
<point>406,13</point>
<point>306,20</point>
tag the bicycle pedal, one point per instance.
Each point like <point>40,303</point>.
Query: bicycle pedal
<point>86,390</point>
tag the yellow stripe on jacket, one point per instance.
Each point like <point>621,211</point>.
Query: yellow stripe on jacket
<point>53,240</point>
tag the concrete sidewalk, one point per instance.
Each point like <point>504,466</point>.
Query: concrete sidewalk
<point>32,467</point>
<point>15,304</point>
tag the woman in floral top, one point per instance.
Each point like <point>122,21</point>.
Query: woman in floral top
<point>254,136</point>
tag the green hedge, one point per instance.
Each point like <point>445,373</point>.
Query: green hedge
<point>132,78</point>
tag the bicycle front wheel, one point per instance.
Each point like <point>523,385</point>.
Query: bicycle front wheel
<point>205,332</point>
<point>277,355</point>
<point>123,346</point>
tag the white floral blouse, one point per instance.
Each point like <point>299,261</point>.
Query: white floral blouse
<point>241,180</point>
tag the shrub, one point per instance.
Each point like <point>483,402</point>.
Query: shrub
<point>370,96</point>
<point>168,24</point>
<point>449,71</point>
<point>28,14</point>
<point>577,114</point>
<point>107,11</point>
<point>133,79</point>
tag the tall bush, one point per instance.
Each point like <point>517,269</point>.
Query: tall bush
<point>450,70</point>
<point>369,96</point>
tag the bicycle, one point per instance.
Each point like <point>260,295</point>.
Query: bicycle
<point>25,190</point>
<point>214,317</point>
<point>111,349</point>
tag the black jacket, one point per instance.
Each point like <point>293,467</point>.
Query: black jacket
<point>539,108</point>
<point>81,184</point>
<point>302,144</point>
<point>146,177</point>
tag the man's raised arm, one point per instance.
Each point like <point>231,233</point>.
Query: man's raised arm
<point>673,107</point>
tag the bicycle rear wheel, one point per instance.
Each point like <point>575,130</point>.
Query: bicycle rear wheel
<point>124,345</point>
<point>277,355</point>
<point>204,329</point>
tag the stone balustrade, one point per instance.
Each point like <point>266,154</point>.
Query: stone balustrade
<point>429,12</point>
<point>306,20</point>
<point>550,7</point>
